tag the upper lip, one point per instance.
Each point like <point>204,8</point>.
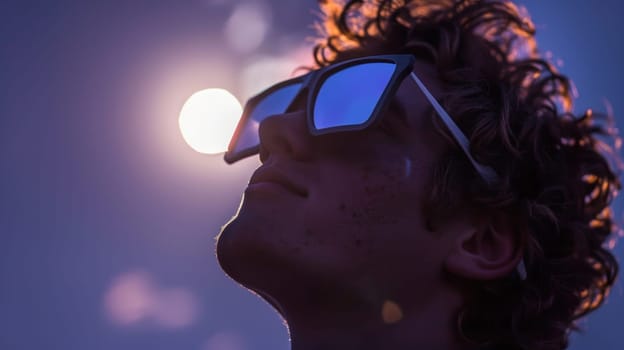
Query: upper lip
<point>272,174</point>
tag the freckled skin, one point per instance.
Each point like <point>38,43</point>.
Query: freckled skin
<point>359,238</point>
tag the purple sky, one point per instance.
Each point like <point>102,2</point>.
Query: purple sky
<point>101,200</point>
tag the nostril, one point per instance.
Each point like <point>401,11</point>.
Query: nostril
<point>279,143</point>
<point>284,134</point>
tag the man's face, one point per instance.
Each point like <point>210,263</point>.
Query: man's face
<point>360,229</point>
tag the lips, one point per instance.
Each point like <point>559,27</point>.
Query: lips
<point>264,174</point>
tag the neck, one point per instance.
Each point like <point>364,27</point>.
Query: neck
<point>374,325</point>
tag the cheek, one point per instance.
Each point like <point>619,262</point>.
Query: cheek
<point>388,196</point>
<point>362,205</point>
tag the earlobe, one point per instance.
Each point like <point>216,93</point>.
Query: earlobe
<point>484,253</point>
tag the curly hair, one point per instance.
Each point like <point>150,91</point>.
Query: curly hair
<point>558,172</point>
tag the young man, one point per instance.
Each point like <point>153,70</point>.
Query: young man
<point>427,187</point>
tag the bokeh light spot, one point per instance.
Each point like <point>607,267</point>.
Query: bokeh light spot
<point>129,298</point>
<point>391,312</point>
<point>224,341</point>
<point>247,27</point>
<point>134,298</point>
<point>266,71</point>
<point>175,308</point>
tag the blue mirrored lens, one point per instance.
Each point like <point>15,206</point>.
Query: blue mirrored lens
<point>349,96</point>
<point>274,103</point>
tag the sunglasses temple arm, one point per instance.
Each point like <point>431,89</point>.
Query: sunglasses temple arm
<point>486,172</point>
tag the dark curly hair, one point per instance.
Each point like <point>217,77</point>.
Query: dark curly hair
<point>557,170</point>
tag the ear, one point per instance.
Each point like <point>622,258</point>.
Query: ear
<point>485,251</point>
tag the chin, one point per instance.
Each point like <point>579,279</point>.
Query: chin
<point>233,251</point>
<point>256,255</point>
<point>248,256</point>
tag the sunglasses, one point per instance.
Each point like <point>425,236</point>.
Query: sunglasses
<point>346,96</point>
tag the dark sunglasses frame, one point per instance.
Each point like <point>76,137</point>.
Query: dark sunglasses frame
<point>312,83</point>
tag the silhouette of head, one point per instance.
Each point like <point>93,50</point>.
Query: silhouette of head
<point>393,222</point>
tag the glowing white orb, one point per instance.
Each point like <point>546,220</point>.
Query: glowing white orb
<point>208,119</point>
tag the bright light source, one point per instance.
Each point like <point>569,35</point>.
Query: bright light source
<point>208,119</point>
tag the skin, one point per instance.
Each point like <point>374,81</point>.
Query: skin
<point>352,265</point>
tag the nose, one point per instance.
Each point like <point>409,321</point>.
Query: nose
<point>287,135</point>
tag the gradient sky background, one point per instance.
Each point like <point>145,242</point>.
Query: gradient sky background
<point>108,218</point>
